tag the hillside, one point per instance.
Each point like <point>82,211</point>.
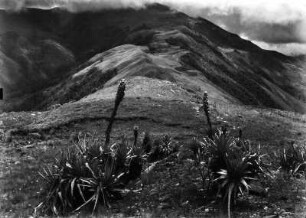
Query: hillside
<point>60,72</point>
<point>155,42</point>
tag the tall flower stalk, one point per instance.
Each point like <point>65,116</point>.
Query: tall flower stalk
<point>119,98</point>
<point>207,114</point>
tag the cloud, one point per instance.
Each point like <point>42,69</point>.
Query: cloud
<point>14,5</point>
<point>274,24</point>
<point>291,49</point>
<point>269,21</point>
<point>270,32</point>
<point>273,21</point>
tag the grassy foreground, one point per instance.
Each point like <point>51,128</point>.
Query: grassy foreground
<point>175,186</point>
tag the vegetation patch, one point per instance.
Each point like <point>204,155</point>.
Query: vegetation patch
<point>217,173</point>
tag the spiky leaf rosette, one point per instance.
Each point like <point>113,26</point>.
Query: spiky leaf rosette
<point>293,160</point>
<point>218,148</point>
<point>235,178</point>
<point>83,177</point>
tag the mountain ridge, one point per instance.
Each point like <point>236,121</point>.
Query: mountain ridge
<point>191,52</point>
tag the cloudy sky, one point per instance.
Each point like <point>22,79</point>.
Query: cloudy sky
<point>272,24</point>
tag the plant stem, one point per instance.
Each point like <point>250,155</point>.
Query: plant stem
<point>136,128</point>
<point>229,200</point>
<point>119,98</point>
<point>110,125</point>
<point>206,110</point>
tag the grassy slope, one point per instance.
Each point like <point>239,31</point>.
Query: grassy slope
<point>27,153</point>
<point>191,52</point>
<point>166,77</point>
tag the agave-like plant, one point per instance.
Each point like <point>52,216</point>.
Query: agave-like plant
<point>219,147</point>
<point>84,176</point>
<point>210,154</point>
<point>102,187</point>
<point>167,146</point>
<point>235,178</point>
<point>162,148</point>
<point>293,160</point>
<point>233,164</point>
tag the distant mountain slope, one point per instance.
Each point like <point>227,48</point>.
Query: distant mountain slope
<point>28,65</point>
<point>156,43</point>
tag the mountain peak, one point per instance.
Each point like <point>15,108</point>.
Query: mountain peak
<point>192,52</point>
<point>158,6</point>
